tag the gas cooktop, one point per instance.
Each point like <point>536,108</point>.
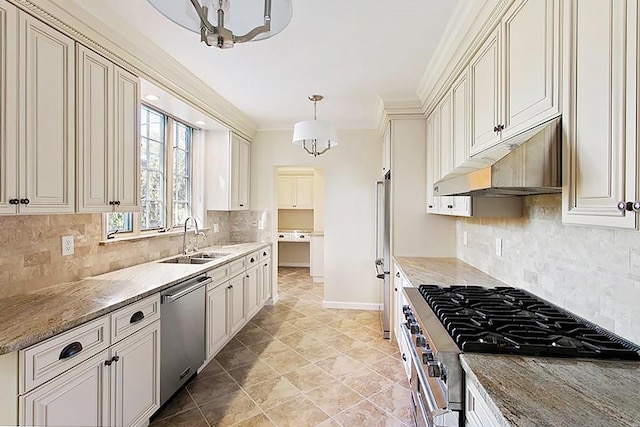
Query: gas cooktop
<point>510,320</point>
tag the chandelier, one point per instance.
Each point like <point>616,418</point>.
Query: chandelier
<point>315,136</point>
<point>219,23</point>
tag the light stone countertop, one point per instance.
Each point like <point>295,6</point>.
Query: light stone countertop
<point>443,271</point>
<point>552,392</point>
<point>30,318</point>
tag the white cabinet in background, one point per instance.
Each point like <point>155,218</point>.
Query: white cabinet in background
<point>386,150</point>
<point>39,152</point>
<point>316,258</point>
<point>217,319</point>
<point>227,168</point>
<point>515,74</point>
<point>266,280</point>
<point>253,291</point>
<point>295,192</point>
<point>236,308</point>
<point>601,118</point>
<point>108,135</point>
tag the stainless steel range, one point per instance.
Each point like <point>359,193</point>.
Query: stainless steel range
<point>441,322</point>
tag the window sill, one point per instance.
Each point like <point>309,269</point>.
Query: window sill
<point>145,236</point>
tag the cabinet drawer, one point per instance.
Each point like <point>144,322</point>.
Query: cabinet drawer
<point>134,317</point>
<point>477,411</point>
<point>41,362</point>
<point>218,275</point>
<point>236,267</point>
<point>252,259</point>
<point>264,253</point>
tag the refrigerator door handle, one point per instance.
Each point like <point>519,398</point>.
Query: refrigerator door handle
<point>380,268</point>
<point>379,187</point>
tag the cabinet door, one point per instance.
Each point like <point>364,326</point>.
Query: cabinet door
<point>286,192</point>
<point>432,201</point>
<point>240,164</point>
<point>126,141</point>
<point>304,192</point>
<point>95,134</point>
<point>460,132</point>
<point>8,107</point>
<point>485,94</point>
<point>601,120</point>
<point>47,118</point>
<point>461,206</point>
<point>75,398</point>
<point>386,150</point>
<point>446,136</point>
<point>237,313</point>
<point>252,292</point>
<point>135,377</point>
<point>266,280</point>
<point>217,319</point>
<point>531,44</point>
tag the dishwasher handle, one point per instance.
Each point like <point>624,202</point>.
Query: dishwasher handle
<point>185,288</point>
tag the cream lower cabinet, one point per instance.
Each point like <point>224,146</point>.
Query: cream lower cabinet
<point>37,145</point>
<point>265,280</point>
<point>218,325</point>
<point>601,118</point>
<point>237,312</point>
<point>117,387</point>
<point>476,410</point>
<point>253,291</point>
<point>108,135</point>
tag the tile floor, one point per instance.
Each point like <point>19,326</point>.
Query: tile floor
<point>297,364</point>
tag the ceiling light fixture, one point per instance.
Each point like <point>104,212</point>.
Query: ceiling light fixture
<point>315,136</point>
<point>244,18</point>
<point>201,122</point>
<point>151,97</point>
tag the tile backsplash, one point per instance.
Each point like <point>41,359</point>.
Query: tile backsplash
<point>593,272</point>
<point>31,253</point>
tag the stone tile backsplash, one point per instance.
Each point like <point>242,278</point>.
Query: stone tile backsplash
<point>593,272</point>
<point>31,253</point>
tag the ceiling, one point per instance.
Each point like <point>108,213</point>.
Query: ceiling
<point>352,52</point>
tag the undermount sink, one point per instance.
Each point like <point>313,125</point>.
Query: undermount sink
<point>197,258</point>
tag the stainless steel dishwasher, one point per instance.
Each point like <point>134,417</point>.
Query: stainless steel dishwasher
<point>182,342</point>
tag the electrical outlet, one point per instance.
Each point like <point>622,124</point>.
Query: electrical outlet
<point>216,227</point>
<point>67,245</point>
<point>260,224</point>
<point>464,238</point>
<point>498,247</point>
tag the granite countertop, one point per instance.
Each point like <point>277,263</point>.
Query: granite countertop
<point>443,271</point>
<point>33,317</point>
<point>551,392</point>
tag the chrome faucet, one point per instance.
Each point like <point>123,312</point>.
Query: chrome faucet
<point>185,249</point>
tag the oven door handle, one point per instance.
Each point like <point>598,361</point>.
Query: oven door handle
<point>433,409</point>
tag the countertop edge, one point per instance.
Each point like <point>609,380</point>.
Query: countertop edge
<point>28,340</point>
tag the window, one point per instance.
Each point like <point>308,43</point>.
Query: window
<point>165,176</point>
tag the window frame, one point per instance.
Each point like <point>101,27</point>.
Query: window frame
<point>170,130</point>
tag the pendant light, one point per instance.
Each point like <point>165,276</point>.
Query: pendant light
<point>315,136</point>
<point>222,23</point>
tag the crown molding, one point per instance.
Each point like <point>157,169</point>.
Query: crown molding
<point>470,24</point>
<point>397,110</point>
<point>138,54</point>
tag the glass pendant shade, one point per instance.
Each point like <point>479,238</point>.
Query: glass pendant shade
<point>240,16</point>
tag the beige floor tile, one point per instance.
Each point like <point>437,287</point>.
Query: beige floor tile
<point>339,365</point>
<point>181,402</point>
<point>204,390</point>
<point>316,350</point>
<point>252,334</point>
<point>308,377</point>
<point>259,420</point>
<point>366,382</point>
<point>235,358</point>
<point>334,397</point>
<point>271,393</point>
<point>395,400</point>
<point>270,348</point>
<point>305,323</point>
<point>253,373</point>
<point>226,411</point>
<point>286,362</point>
<point>329,423</point>
<point>340,342</point>
<point>282,328</point>
<point>367,414</point>
<point>191,418</point>
<point>322,333</point>
<point>213,367</point>
<point>364,354</point>
<point>390,369</point>
<point>299,412</point>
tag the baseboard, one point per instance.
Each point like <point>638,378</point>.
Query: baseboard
<point>294,264</point>
<point>318,279</point>
<point>273,300</point>
<point>352,305</point>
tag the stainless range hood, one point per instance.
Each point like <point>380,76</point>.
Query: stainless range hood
<point>528,163</point>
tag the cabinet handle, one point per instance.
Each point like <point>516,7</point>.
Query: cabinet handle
<point>404,357</point>
<point>117,202</point>
<point>108,362</point>
<point>24,201</point>
<point>70,350</point>
<point>450,206</point>
<point>295,206</point>
<point>136,317</point>
<point>626,206</point>
<point>252,260</point>
<point>115,358</point>
<point>498,128</point>
<point>241,205</point>
<point>430,206</point>
<point>14,201</point>
<point>111,202</point>
<point>398,274</point>
<point>264,254</point>
<point>636,206</point>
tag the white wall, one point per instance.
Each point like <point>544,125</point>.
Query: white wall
<point>350,170</point>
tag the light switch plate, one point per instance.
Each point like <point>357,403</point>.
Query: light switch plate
<point>67,245</point>
<point>216,227</point>
<point>464,238</point>
<point>498,247</point>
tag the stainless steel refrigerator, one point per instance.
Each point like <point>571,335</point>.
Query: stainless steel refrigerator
<point>383,248</point>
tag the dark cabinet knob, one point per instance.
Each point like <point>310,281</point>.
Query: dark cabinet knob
<point>398,274</point>
<point>430,206</point>
<point>404,357</point>
<point>14,201</point>
<point>24,201</point>
<point>450,206</point>
<point>628,206</point>
<point>117,202</point>
<point>636,206</point>
<point>70,350</point>
<point>252,259</point>
<point>241,205</point>
<point>111,203</point>
<point>264,253</point>
<point>115,358</point>
<point>136,317</point>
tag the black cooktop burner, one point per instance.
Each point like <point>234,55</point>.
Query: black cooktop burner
<point>510,320</point>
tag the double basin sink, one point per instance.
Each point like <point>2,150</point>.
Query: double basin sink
<point>197,258</point>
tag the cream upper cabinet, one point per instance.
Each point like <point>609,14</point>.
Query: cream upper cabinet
<point>108,130</point>
<point>228,167</point>
<point>433,121</point>
<point>514,75</point>
<point>461,116</point>
<point>485,75</point>
<point>601,112</point>
<point>295,192</point>
<point>38,95</point>
<point>446,136</point>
